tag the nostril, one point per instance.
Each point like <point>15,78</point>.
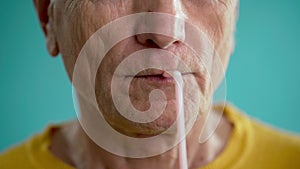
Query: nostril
<point>177,42</point>
<point>150,43</point>
<point>155,40</point>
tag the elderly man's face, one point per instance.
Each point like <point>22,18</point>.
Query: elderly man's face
<point>72,22</point>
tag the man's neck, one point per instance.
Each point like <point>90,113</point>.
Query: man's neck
<point>73,146</point>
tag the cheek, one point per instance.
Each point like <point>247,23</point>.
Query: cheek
<point>77,22</point>
<point>216,19</point>
<point>218,22</point>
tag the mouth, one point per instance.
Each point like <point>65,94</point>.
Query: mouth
<point>156,76</point>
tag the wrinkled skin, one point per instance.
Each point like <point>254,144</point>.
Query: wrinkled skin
<point>69,23</point>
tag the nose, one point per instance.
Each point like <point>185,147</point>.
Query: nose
<point>169,28</point>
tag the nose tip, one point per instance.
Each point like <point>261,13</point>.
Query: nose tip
<point>156,40</point>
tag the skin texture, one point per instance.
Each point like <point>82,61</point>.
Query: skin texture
<point>68,24</point>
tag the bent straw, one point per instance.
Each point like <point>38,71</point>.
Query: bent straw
<point>181,121</point>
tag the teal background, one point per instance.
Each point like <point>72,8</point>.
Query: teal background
<point>262,79</point>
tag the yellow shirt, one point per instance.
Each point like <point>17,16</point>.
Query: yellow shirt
<point>252,146</point>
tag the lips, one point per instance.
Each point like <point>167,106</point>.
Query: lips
<point>158,76</point>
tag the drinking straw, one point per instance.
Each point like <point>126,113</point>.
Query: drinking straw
<point>181,121</point>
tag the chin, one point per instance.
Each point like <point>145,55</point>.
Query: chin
<point>133,129</point>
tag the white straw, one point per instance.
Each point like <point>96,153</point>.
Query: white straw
<point>181,122</point>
